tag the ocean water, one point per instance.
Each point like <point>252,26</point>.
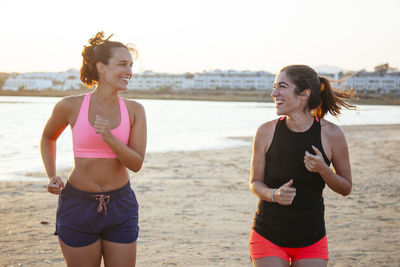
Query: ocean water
<point>172,126</point>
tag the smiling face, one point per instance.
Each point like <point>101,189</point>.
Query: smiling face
<point>117,73</point>
<point>286,100</point>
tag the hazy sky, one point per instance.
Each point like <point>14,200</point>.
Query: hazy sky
<point>192,36</point>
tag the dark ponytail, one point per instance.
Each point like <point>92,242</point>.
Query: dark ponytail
<point>332,99</point>
<point>99,49</point>
<point>323,97</point>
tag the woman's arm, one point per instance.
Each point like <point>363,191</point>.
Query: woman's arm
<point>340,179</point>
<point>131,155</point>
<point>56,124</point>
<point>262,140</point>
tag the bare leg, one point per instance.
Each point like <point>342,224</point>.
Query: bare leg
<point>89,256</point>
<point>117,254</point>
<point>270,262</point>
<point>310,263</point>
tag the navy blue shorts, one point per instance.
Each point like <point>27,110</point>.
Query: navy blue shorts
<point>84,217</point>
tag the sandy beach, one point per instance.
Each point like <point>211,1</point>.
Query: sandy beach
<point>196,209</point>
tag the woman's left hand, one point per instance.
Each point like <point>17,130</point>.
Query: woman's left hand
<point>102,126</point>
<point>314,163</point>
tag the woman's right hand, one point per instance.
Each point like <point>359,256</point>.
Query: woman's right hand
<point>55,185</point>
<point>285,194</point>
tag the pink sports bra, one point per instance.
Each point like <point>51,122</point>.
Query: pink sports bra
<point>89,144</point>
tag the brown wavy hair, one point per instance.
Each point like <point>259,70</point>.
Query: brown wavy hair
<point>323,98</point>
<point>99,49</point>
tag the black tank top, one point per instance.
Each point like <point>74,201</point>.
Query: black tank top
<point>302,223</point>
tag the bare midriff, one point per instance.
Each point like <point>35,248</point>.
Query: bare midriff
<point>96,175</point>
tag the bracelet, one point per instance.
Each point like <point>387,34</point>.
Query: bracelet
<point>273,191</point>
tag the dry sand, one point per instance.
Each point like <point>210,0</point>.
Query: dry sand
<point>196,209</point>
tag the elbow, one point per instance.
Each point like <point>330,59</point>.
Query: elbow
<point>251,186</point>
<point>137,167</point>
<point>45,138</point>
<point>346,191</point>
<point>46,141</point>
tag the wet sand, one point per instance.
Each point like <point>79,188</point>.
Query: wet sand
<point>196,209</point>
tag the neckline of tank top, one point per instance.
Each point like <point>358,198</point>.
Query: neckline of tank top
<point>315,121</point>
<point>120,112</point>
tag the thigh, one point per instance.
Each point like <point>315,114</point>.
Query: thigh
<point>119,254</point>
<point>310,263</point>
<point>270,262</point>
<point>88,256</point>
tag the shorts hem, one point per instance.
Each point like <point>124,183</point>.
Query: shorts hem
<point>120,242</point>
<point>123,242</point>
<point>313,257</point>
<point>281,257</point>
<point>75,245</point>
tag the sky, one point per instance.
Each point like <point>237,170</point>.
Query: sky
<point>178,36</point>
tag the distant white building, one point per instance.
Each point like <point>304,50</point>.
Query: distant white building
<point>149,80</point>
<point>214,80</point>
<point>373,82</point>
<point>207,80</point>
<point>68,84</point>
<point>54,76</point>
<point>18,83</point>
<point>232,79</point>
<point>44,80</point>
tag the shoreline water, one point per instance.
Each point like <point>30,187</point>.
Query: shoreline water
<point>173,126</point>
<point>187,197</point>
<point>37,176</point>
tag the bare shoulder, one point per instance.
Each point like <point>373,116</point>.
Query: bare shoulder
<point>267,128</point>
<point>134,106</point>
<point>264,134</point>
<point>331,130</point>
<point>70,103</point>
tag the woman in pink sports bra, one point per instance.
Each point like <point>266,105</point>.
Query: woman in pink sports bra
<point>97,213</point>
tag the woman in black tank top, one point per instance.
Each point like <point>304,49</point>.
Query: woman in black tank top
<point>290,167</point>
